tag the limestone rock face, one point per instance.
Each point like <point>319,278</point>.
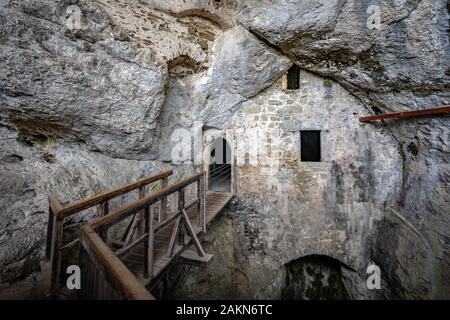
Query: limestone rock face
<point>85,108</point>
<point>241,67</point>
<point>407,52</point>
<point>87,84</point>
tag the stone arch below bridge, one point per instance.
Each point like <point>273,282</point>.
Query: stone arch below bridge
<point>314,277</point>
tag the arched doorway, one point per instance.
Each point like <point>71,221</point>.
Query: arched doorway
<point>314,277</point>
<point>219,171</point>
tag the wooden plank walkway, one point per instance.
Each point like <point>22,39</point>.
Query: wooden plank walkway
<point>134,260</point>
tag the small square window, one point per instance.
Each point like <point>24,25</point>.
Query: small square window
<point>293,78</point>
<point>310,150</point>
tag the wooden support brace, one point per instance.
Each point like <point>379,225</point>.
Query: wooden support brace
<point>105,208</point>
<point>192,234</point>
<point>173,237</point>
<point>142,212</point>
<point>130,230</point>
<point>181,206</point>
<point>149,244</point>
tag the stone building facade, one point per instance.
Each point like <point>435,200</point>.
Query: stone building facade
<point>299,209</point>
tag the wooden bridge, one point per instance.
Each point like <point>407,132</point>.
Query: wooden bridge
<point>155,240</point>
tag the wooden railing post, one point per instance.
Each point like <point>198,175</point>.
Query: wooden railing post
<point>191,231</point>
<point>201,193</point>
<point>141,213</point>
<point>104,210</point>
<point>174,236</point>
<point>149,243</point>
<point>163,205</point>
<point>48,247</point>
<point>56,241</point>
<point>181,206</point>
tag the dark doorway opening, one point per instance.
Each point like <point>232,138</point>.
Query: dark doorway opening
<point>219,178</point>
<point>293,78</point>
<point>314,277</point>
<point>310,150</point>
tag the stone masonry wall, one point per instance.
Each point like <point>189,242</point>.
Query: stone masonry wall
<point>296,209</point>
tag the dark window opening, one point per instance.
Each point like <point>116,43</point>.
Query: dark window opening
<point>293,78</point>
<point>310,150</point>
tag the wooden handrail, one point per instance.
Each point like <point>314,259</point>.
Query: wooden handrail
<point>98,199</point>
<point>94,235</point>
<point>55,204</point>
<point>107,261</point>
<point>57,213</point>
<point>122,213</point>
<point>113,268</point>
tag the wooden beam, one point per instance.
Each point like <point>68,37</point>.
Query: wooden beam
<point>407,114</point>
